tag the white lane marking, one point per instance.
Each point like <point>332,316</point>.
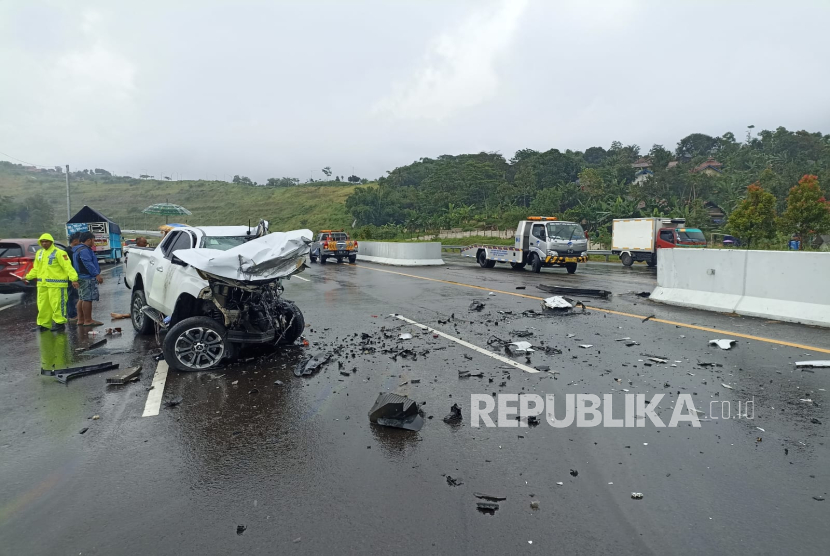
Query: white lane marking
<point>473,347</point>
<point>9,306</point>
<point>153,404</point>
<point>301,278</point>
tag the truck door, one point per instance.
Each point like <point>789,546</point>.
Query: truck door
<point>163,270</point>
<point>539,240</point>
<point>665,240</point>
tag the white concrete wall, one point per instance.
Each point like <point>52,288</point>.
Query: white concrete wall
<point>400,254</point>
<point>782,285</point>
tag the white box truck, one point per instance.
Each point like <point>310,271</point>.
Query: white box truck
<point>638,239</point>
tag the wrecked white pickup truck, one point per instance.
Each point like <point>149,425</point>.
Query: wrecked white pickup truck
<point>215,288</point>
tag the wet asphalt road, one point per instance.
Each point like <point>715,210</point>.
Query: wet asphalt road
<point>299,465</point>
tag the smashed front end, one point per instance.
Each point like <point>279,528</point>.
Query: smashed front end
<point>244,286</point>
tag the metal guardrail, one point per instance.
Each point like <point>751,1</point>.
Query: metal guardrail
<point>459,248</point>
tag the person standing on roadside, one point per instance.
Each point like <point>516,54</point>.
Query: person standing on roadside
<point>53,271</point>
<point>89,276</point>
<point>72,297</point>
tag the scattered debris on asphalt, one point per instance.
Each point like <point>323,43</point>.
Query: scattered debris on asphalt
<point>278,382</point>
<point>520,287</point>
<point>812,364</point>
<point>393,410</point>
<point>487,507</point>
<point>83,430</point>
<point>723,344</point>
<point>815,421</point>
<point>454,415</point>
<point>174,402</point>
<point>312,364</point>
<point>574,472</point>
<point>637,495</point>
<point>649,317</point>
<point>558,302</point>
<point>476,306</point>
<point>240,529</point>
<point>159,356</point>
<point>126,376</point>
<point>454,482</point>
<point>726,386</point>
<point>818,498</point>
<point>586,346</point>
<point>489,497</point>
<point>519,347</point>
<point>644,294</point>
<point>583,292</point>
<point>91,346</point>
<point>534,505</point>
<point>112,331</point>
<point>405,336</point>
<point>521,333</point>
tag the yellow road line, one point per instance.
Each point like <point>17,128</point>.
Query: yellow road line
<point>612,312</point>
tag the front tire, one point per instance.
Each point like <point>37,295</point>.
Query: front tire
<point>196,344</point>
<point>627,259</point>
<point>570,267</point>
<point>289,309</point>
<point>141,322</point>
<point>313,258</point>
<point>535,263</point>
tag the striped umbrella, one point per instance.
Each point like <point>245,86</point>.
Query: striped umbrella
<point>166,209</point>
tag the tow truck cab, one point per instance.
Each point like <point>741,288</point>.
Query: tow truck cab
<point>669,238</point>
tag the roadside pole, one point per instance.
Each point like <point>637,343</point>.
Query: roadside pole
<point>68,209</point>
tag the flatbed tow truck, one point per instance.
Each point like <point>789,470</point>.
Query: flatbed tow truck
<point>541,242</point>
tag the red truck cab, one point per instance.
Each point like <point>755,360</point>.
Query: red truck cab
<point>669,238</point>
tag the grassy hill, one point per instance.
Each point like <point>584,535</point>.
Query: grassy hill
<point>314,206</point>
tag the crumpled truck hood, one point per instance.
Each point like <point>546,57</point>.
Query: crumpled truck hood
<point>275,255</point>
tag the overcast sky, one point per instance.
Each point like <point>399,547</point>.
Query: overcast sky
<point>211,88</point>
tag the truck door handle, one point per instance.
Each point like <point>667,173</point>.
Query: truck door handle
<point>152,262</point>
<point>160,269</point>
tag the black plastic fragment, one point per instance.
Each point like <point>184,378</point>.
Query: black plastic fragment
<point>454,482</point>
<point>174,402</point>
<point>489,497</point>
<point>64,375</point>
<point>477,306</point>
<point>312,364</point>
<point>454,415</point>
<point>487,507</point>
<point>393,410</point>
<point>240,529</point>
<point>92,346</point>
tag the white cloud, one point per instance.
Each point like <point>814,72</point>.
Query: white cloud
<point>459,68</point>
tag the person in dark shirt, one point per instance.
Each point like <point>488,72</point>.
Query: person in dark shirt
<point>89,276</point>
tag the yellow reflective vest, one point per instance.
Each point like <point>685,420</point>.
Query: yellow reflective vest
<point>52,268</point>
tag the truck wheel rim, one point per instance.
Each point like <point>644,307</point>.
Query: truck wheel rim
<point>138,316</point>
<point>199,348</point>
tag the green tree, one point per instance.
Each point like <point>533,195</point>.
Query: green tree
<point>547,202</point>
<point>808,212</point>
<point>754,217</point>
<point>696,144</point>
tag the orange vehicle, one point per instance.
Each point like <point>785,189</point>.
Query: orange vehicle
<point>333,243</point>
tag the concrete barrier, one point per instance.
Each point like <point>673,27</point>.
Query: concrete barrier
<point>400,254</point>
<point>782,285</point>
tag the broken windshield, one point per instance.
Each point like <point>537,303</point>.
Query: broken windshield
<point>224,243</point>
<point>565,231</point>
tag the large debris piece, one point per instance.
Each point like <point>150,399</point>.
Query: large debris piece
<point>64,375</point>
<point>126,376</point>
<point>723,344</point>
<point>584,292</point>
<point>393,410</point>
<point>312,364</point>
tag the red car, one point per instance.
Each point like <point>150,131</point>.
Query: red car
<point>16,259</point>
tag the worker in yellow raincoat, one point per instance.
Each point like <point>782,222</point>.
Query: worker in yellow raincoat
<point>53,271</point>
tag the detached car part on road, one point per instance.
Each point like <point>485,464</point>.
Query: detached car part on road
<point>540,241</point>
<point>214,289</point>
<point>334,243</point>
